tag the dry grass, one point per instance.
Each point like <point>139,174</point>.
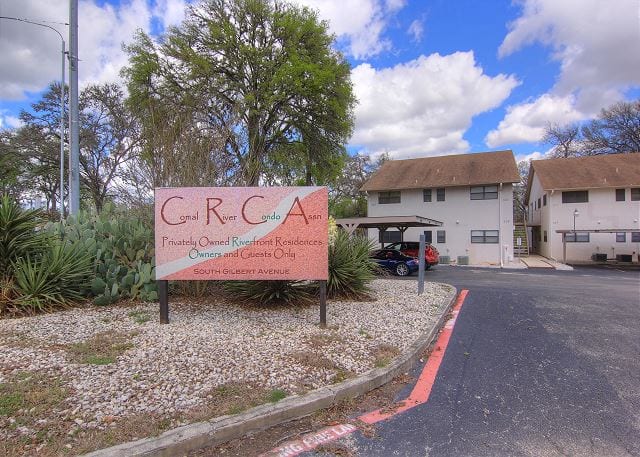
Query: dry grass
<point>102,349</point>
<point>311,359</point>
<point>321,340</point>
<point>383,354</point>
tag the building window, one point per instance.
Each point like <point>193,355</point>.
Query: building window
<point>575,196</point>
<point>389,236</point>
<point>621,237</point>
<point>545,236</point>
<point>635,237</point>
<point>544,200</point>
<point>428,236</point>
<point>539,205</point>
<point>426,195</point>
<point>389,197</point>
<point>484,193</point>
<point>620,195</point>
<point>442,237</point>
<point>485,236</point>
<point>534,205</point>
<point>577,237</point>
<point>440,194</point>
<point>635,194</point>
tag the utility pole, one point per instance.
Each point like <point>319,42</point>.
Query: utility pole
<point>74,127</point>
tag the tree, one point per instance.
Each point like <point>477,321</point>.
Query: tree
<point>258,74</point>
<point>520,190</point>
<point>108,138</point>
<point>564,139</point>
<point>345,198</point>
<point>617,130</point>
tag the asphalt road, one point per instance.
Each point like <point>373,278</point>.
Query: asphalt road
<point>540,363</point>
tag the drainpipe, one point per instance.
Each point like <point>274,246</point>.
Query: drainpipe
<point>500,225</point>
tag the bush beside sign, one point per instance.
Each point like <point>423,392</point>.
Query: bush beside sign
<point>241,233</point>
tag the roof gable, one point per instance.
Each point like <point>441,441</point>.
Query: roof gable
<point>611,170</point>
<point>445,171</point>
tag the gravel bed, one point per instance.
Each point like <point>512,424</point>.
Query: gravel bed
<point>171,368</point>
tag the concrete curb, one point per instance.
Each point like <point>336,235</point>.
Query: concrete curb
<point>190,437</point>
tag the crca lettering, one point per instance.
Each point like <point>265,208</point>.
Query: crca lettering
<point>213,203</point>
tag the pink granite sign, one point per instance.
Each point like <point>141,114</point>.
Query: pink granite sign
<point>226,233</point>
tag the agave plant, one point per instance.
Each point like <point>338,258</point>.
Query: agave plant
<point>272,292</point>
<point>19,234</point>
<point>57,277</point>
<point>350,268</point>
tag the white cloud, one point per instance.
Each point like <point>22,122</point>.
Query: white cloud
<point>9,121</point>
<point>32,54</point>
<point>416,30</point>
<point>423,107</point>
<point>536,155</point>
<point>359,24</point>
<point>596,44</point>
<point>526,122</point>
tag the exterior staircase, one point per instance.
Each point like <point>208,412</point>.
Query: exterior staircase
<point>520,233</point>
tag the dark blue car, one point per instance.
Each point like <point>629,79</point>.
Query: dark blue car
<point>395,261</point>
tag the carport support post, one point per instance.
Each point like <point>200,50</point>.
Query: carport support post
<point>564,248</point>
<point>163,292</point>
<point>323,304</point>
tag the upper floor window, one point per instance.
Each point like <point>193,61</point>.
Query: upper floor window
<point>621,237</point>
<point>392,196</point>
<point>440,194</point>
<point>620,195</point>
<point>484,193</point>
<point>544,200</point>
<point>539,205</point>
<point>426,195</point>
<point>441,236</point>
<point>635,237</point>
<point>575,196</point>
<point>635,194</point>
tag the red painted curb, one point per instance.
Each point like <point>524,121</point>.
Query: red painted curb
<point>419,395</point>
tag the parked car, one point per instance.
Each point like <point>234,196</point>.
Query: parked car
<point>395,261</point>
<point>411,248</point>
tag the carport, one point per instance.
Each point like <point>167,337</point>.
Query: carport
<point>383,223</point>
<point>564,236</point>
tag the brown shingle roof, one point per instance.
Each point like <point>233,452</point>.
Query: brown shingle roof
<point>611,170</point>
<point>445,171</point>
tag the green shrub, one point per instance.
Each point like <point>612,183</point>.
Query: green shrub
<point>19,234</point>
<point>350,267</point>
<point>272,292</point>
<point>122,249</point>
<point>56,277</point>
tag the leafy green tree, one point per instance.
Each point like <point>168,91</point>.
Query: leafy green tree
<point>261,76</point>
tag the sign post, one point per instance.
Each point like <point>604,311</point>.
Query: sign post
<point>241,233</point>
<point>421,261</point>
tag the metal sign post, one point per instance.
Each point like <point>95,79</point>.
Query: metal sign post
<point>323,304</point>
<point>421,264</point>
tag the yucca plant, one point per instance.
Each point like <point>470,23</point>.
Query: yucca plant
<point>350,267</point>
<point>272,292</point>
<point>19,234</point>
<point>58,277</point>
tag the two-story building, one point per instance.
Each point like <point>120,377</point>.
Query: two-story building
<point>471,194</point>
<point>597,196</point>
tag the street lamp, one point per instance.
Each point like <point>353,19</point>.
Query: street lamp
<point>575,214</point>
<point>61,104</point>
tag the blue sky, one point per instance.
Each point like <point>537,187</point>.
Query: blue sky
<point>432,76</point>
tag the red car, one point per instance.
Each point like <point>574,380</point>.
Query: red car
<point>411,248</point>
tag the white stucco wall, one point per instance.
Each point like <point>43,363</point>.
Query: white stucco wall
<point>459,215</point>
<point>602,211</point>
